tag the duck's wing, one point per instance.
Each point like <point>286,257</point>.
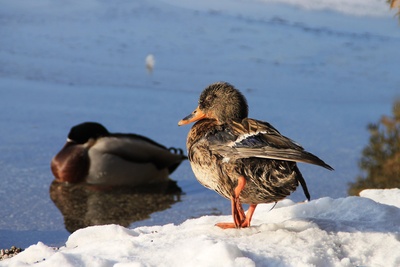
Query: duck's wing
<point>172,159</point>
<point>259,139</point>
<point>139,150</point>
<point>137,137</point>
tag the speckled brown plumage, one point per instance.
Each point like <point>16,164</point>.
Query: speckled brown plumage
<point>242,159</point>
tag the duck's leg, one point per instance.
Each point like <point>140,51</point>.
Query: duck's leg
<point>249,215</point>
<point>237,210</point>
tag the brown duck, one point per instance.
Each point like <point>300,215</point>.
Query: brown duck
<point>242,159</point>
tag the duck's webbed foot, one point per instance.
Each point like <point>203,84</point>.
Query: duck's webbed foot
<point>239,217</point>
<point>174,150</point>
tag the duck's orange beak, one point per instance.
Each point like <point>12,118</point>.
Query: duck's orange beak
<point>196,115</point>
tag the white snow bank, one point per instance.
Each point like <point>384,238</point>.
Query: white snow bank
<point>352,231</point>
<point>388,196</point>
<point>375,8</point>
<point>353,7</point>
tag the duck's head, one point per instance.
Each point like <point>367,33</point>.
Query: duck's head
<point>219,101</point>
<point>83,132</point>
<point>71,164</point>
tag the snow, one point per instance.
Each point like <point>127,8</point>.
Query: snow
<point>319,71</point>
<point>388,196</point>
<point>354,7</point>
<point>352,231</point>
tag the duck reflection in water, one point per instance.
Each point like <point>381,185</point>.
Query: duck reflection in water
<point>83,205</point>
<point>103,177</point>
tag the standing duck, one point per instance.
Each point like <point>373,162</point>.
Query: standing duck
<point>242,159</point>
<point>96,156</point>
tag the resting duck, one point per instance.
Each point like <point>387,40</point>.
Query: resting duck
<point>95,156</point>
<point>242,159</point>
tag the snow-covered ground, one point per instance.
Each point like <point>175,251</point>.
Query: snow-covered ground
<point>352,231</point>
<point>319,71</point>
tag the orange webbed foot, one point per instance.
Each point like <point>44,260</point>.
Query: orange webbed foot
<point>244,221</point>
<point>226,225</point>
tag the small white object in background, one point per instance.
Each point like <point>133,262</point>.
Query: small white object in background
<point>150,62</point>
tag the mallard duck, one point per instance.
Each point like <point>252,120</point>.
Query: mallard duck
<point>242,159</point>
<point>94,155</point>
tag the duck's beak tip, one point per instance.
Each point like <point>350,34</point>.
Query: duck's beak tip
<point>196,115</point>
<point>185,120</point>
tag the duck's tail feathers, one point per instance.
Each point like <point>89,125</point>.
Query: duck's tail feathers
<point>177,151</point>
<point>302,182</point>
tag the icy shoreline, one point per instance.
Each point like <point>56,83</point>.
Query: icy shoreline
<point>352,231</point>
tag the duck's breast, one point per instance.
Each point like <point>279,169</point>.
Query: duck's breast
<point>71,164</point>
<point>208,170</point>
